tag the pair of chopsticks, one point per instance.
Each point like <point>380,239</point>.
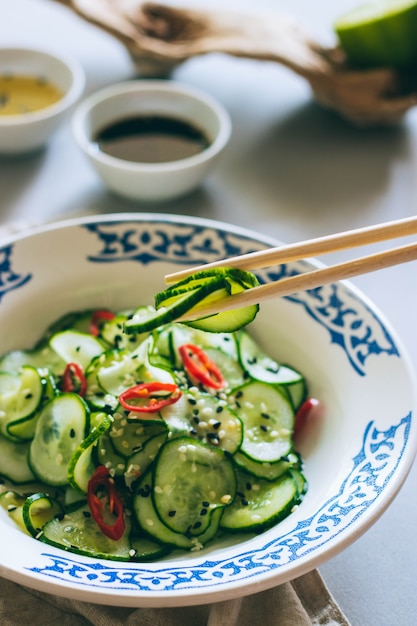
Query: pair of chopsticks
<point>305,249</point>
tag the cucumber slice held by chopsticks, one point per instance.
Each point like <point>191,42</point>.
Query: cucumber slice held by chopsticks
<point>193,293</point>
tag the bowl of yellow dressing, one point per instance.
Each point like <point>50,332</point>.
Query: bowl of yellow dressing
<point>37,90</point>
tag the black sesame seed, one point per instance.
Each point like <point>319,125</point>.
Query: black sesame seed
<point>59,516</point>
<point>217,425</point>
<point>86,513</point>
<point>197,525</point>
<point>248,486</point>
<point>28,396</point>
<point>196,420</point>
<point>238,404</point>
<point>265,416</point>
<point>72,433</point>
<point>244,502</point>
<point>219,409</point>
<point>192,400</point>
<point>203,512</point>
<point>285,458</point>
<point>264,428</point>
<point>205,503</point>
<point>171,513</point>
<point>239,394</point>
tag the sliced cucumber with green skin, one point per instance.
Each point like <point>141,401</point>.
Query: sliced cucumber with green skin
<point>191,480</point>
<point>61,427</point>
<point>38,509</point>
<point>297,392</point>
<point>262,367</point>
<point>13,502</point>
<point>114,334</point>
<point>206,418</point>
<point>105,454</point>
<point>138,463</point>
<point>78,532</point>
<point>73,346</point>
<point>81,465</point>
<point>129,436</point>
<point>20,397</point>
<point>268,421</point>
<point>199,290</point>
<point>260,504</point>
<point>41,357</point>
<point>14,464</point>
<point>145,549</point>
<point>178,306</point>
<point>266,471</point>
<point>151,523</point>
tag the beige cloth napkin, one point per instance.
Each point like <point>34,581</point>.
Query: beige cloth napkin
<point>304,601</point>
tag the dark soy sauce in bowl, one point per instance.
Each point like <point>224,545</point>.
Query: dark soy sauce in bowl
<point>151,139</point>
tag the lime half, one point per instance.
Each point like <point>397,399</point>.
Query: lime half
<point>381,33</point>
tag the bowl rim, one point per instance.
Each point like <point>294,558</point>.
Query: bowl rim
<point>157,86</point>
<point>68,99</point>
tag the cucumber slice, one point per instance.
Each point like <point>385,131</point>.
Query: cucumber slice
<point>191,480</point>
<point>268,421</point>
<point>145,549</point>
<point>151,523</point>
<point>380,34</point>
<point>262,367</point>
<point>20,397</point>
<point>260,504</point>
<point>267,471</point>
<point>13,502</point>
<point>129,436</point>
<point>44,357</point>
<point>138,463</point>
<point>14,464</point>
<point>73,346</point>
<point>61,427</point>
<point>205,418</point>
<point>78,532</point>
<point>38,509</point>
<point>105,454</point>
<point>81,465</point>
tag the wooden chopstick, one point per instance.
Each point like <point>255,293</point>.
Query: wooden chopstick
<point>306,249</point>
<point>310,280</point>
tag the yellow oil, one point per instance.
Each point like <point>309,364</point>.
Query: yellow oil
<point>25,94</point>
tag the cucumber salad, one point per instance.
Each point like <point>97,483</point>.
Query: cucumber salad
<point>128,445</point>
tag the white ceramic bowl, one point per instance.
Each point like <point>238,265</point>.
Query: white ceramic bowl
<point>355,460</point>
<point>151,181</point>
<point>29,131</point>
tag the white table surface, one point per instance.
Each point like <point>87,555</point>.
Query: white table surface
<point>293,171</point>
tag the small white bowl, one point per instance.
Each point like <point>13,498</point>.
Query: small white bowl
<point>151,181</point>
<point>29,131</point>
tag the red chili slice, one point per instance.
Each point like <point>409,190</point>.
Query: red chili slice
<point>73,379</point>
<point>98,319</point>
<point>104,499</point>
<point>200,367</point>
<point>304,413</point>
<point>149,397</point>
